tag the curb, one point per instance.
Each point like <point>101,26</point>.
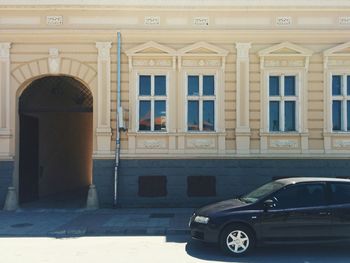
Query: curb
<point>178,232</point>
<point>151,231</point>
<point>67,233</point>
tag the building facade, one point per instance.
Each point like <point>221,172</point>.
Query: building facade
<point>217,97</point>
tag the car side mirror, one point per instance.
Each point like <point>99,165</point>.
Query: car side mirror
<point>269,204</point>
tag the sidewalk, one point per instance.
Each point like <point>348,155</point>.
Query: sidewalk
<point>102,222</point>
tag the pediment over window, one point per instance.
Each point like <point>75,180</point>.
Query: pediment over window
<point>151,48</point>
<point>338,56</point>
<point>285,49</point>
<point>202,48</point>
<point>202,55</point>
<point>341,50</point>
<point>151,55</point>
<point>285,55</point>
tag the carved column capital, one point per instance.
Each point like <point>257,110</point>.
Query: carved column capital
<point>243,50</point>
<point>104,50</point>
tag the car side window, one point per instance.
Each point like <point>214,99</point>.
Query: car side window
<point>340,193</point>
<point>300,195</point>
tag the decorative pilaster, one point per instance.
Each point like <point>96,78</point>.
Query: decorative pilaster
<point>103,130</point>
<point>5,132</point>
<point>242,101</point>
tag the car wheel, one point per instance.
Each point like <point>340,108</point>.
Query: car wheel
<point>237,240</point>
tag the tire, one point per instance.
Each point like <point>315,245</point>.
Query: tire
<point>237,240</point>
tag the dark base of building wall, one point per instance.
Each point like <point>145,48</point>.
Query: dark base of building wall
<point>192,183</point>
<point>6,171</point>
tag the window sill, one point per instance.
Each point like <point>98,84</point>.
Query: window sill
<point>202,133</point>
<point>148,132</point>
<point>194,131</point>
<point>337,133</point>
<point>278,134</point>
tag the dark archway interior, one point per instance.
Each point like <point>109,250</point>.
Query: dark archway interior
<point>56,122</point>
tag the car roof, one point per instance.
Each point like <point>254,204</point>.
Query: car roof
<point>294,180</point>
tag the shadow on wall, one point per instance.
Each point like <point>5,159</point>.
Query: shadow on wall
<point>57,111</point>
<point>65,148</point>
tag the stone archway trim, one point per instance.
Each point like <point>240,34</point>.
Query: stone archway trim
<point>55,64</point>
<point>40,67</point>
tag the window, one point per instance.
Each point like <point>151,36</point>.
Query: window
<point>283,100</point>
<point>201,186</point>
<point>261,192</point>
<point>201,103</point>
<point>152,99</point>
<point>340,193</point>
<point>341,102</point>
<point>301,195</point>
<point>152,186</point>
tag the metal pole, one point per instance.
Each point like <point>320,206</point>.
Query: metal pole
<point>117,149</point>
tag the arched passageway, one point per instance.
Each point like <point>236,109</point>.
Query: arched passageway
<point>55,164</point>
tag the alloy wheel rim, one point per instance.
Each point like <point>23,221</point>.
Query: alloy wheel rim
<point>237,241</point>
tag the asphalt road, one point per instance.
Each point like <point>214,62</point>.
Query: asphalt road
<point>154,249</point>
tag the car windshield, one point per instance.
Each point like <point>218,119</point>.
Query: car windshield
<point>261,192</point>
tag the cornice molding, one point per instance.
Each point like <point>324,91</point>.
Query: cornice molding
<point>183,3</point>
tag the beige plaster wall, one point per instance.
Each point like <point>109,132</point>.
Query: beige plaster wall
<point>87,53</point>
<point>77,42</point>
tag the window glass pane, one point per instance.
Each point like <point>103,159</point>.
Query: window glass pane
<point>289,85</point>
<point>274,86</point>
<point>193,115</point>
<point>208,115</point>
<point>336,115</point>
<point>348,114</point>
<point>274,116</point>
<point>340,193</point>
<point>145,85</point>
<point>145,115</point>
<point>160,85</point>
<point>159,115</point>
<point>348,85</point>
<point>261,192</point>
<point>302,195</point>
<point>289,116</point>
<point>208,85</point>
<point>336,85</point>
<point>193,85</point>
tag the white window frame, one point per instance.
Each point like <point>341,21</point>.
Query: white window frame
<point>275,60</point>
<point>343,98</point>
<point>282,99</point>
<point>200,98</point>
<point>152,98</point>
<point>301,100</point>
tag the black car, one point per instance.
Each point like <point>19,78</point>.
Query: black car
<point>290,210</point>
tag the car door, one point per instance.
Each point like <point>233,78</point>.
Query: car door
<point>340,210</point>
<point>300,213</point>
